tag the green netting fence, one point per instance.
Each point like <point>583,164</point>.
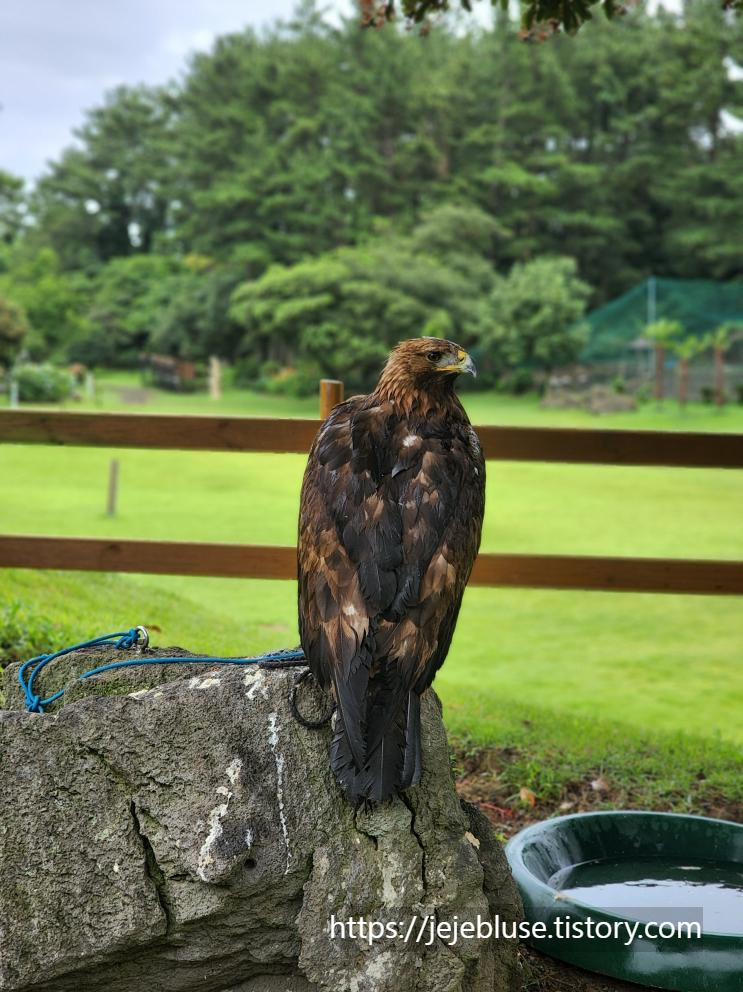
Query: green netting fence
<point>700,306</point>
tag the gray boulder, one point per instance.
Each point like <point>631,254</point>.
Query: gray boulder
<point>171,831</point>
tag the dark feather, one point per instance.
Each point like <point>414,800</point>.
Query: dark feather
<point>411,773</point>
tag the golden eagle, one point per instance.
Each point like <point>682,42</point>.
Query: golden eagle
<point>389,526</point>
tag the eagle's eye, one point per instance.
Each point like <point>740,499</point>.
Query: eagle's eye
<point>434,356</point>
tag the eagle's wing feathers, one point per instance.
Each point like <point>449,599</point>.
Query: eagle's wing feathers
<point>334,611</point>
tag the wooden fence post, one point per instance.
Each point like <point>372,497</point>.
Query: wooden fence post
<point>331,394</point>
<point>113,488</point>
<point>215,378</point>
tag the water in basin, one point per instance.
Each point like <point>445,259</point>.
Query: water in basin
<point>715,888</point>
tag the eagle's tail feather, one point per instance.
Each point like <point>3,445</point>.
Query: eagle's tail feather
<point>385,760</point>
<point>411,773</point>
<point>350,696</point>
<point>393,755</point>
<point>342,759</point>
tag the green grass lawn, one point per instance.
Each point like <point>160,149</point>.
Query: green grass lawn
<point>639,662</point>
<point>484,408</point>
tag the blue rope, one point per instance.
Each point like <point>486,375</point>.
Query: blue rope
<point>126,639</point>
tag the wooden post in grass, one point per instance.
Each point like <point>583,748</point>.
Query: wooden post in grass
<point>215,378</point>
<point>331,394</point>
<point>113,488</point>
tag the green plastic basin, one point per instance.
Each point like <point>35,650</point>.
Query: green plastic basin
<point>626,868</point>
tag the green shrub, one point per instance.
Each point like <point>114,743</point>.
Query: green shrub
<point>24,633</point>
<point>273,377</point>
<point>247,371</point>
<point>297,381</point>
<point>13,329</point>
<point>43,383</point>
<point>517,382</point>
<point>708,395</point>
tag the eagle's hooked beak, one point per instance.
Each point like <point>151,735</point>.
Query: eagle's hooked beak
<point>464,364</point>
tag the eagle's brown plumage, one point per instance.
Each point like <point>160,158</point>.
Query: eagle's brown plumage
<point>389,526</point>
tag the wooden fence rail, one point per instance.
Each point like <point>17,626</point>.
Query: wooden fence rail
<point>677,575</point>
<point>202,433</point>
<point>210,433</point>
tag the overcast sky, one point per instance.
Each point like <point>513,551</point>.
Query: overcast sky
<point>58,57</point>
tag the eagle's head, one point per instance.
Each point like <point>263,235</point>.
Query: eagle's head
<point>423,369</point>
<point>426,360</point>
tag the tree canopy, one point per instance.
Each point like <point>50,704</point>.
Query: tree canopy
<point>343,310</point>
<point>539,18</point>
<point>356,176</point>
<point>537,310</point>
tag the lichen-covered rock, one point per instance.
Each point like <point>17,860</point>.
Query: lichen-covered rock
<point>171,832</point>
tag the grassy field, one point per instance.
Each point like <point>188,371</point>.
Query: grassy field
<point>116,390</point>
<point>630,664</point>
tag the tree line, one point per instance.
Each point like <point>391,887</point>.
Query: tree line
<point>303,197</point>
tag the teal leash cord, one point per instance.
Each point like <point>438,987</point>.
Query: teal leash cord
<point>125,640</point>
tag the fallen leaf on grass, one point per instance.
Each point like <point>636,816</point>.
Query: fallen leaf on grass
<point>504,811</point>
